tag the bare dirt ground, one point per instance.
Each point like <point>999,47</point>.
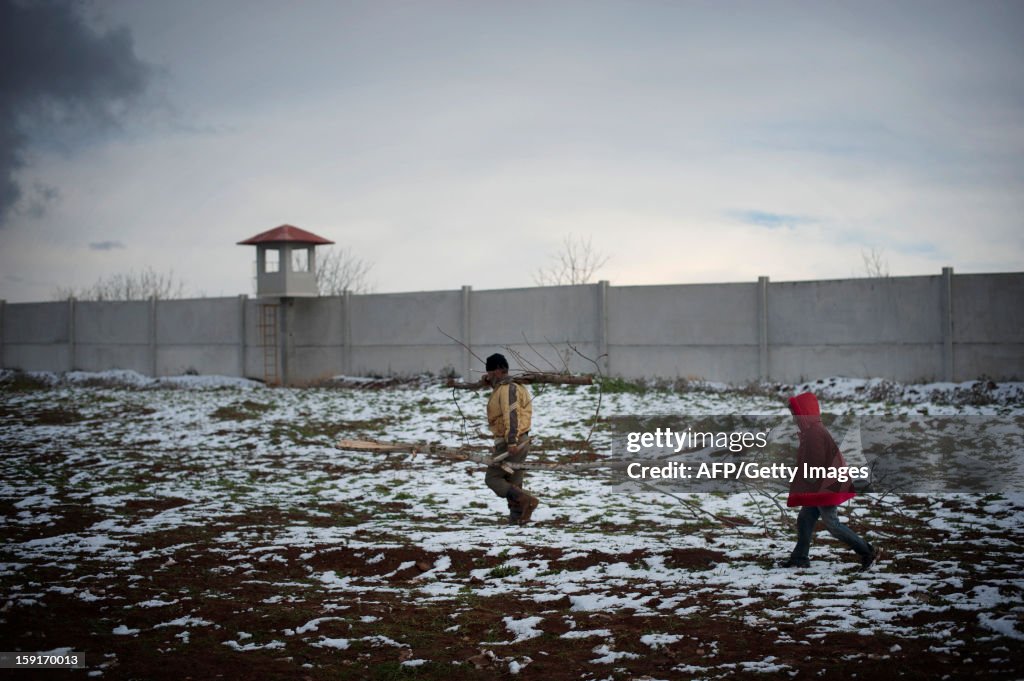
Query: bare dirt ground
<point>177,534</point>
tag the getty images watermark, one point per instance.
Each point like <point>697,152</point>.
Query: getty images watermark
<point>909,454</point>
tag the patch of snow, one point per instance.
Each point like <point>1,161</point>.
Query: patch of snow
<point>523,629</point>
<point>1002,625</point>
<point>155,603</point>
<point>588,633</point>
<point>607,655</point>
<point>273,645</point>
<point>312,625</point>
<point>414,663</point>
<point>656,641</point>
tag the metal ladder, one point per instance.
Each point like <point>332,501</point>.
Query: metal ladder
<point>268,338</point>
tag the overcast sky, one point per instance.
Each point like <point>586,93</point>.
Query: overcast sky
<point>453,143</point>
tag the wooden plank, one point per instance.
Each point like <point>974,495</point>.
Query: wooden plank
<point>371,446</point>
<point>452,454</point>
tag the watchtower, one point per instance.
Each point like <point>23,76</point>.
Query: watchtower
<point>285,262</point>
<point>285,269</point>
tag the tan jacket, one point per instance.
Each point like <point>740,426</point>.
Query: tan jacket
<point>509,411</point>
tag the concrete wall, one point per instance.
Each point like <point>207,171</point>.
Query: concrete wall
<point>109,334</point>
<point>316,328</point>
<point>397,333</point>
<point>697,331</point>
<point>941,327</point>
<point>889,327</point>
<point>198,336</point>
<point>540,325</point>
<point>36,336</point>
<point>988,313</point>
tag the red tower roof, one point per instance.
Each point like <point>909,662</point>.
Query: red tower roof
<point>285,233</point>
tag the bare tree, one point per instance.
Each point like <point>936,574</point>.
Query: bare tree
<point>576,263</point>
<point>129,285</point>
<point>339,270</point>
<point>875,265</point>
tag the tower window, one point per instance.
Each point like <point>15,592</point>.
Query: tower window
<point>272,260</point>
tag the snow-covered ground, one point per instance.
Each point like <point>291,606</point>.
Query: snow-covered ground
<point>212,519</point>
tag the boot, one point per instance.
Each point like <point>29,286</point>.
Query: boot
<point>515,512</point>
<point>870,559</point>
<point>526,501</point>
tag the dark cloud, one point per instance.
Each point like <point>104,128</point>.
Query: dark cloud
<point>105,245</point>
<point>36,202</point>
<point>59,79</point>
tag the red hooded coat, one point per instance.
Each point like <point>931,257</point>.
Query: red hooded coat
<point>817,448</point>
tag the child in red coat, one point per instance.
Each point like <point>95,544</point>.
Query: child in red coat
<point>819,497</point>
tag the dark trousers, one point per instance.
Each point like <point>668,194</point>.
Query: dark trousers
<point>501,481</point>
<point>808,518</point>
<point>497,479</point>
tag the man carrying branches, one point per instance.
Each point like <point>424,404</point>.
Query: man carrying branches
<point>509,412</point>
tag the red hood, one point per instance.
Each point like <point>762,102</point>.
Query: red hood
<point>805,407</point>
<point>820,451</point>
<point>804,404</point>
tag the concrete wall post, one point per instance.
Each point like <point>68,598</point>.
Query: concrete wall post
<point>286,341</point>
<point>762,327</point>
<point>346,348</point>
<point>604,359</point>
<point>467,330</point>
<point>152,336</point>
<point>72,360</point>
<point>243,301</point>
<point>946,300</point>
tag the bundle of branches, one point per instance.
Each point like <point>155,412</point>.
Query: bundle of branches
<point>482,455</point>
<point>528,377</point>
